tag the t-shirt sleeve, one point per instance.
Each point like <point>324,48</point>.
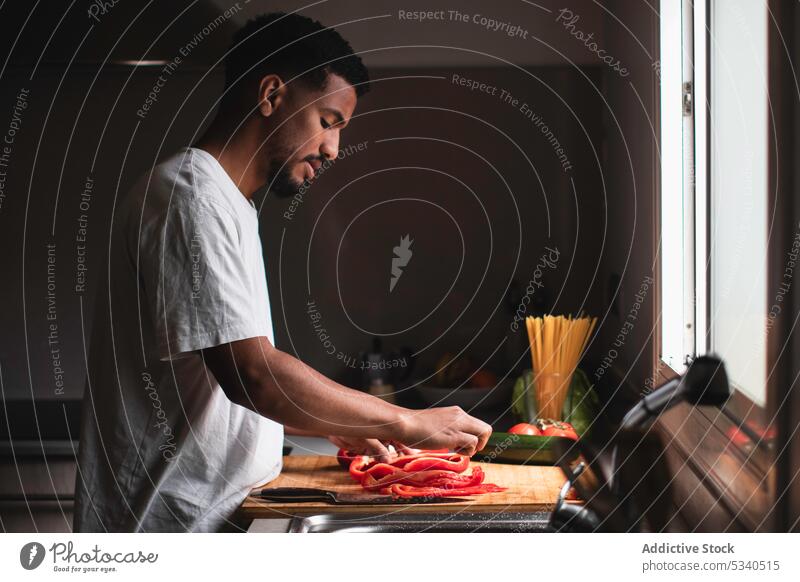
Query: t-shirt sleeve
<point>203,288</point>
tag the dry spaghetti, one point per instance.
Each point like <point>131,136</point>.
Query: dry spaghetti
<point>557,343</point>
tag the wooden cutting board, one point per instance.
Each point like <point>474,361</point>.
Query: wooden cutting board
<point>530,488</point>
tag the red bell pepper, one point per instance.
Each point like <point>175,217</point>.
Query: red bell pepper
<point>423,474</point>
<point>400,490</point>
<point>455,463</point>
<point>358,465</point>
<point>410,463</point>
<point>442,479</point>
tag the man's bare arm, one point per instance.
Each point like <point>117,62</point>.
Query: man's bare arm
<point>293,431</point>
<point>256,375</point>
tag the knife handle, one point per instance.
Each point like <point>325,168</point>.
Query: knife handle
<point>296,494</point>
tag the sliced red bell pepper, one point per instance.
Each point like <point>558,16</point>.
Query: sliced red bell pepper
<point>455,463</point>
<point>411,463</point>
<point>411,491</point>
<point>403,460</point>
<point>442,479</point>
<point>424,474</point>
<point>358,466</point>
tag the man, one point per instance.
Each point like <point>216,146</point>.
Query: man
<point>186,396</point>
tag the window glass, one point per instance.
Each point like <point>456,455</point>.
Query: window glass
<point>738,211</point>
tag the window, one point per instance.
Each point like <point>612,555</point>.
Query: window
<point>714,186</point>
<point>676,343</point>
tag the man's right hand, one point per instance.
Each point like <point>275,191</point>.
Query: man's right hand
<point>439,428</point>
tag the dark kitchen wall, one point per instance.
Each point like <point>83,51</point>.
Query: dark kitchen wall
<point>70,159</point>
<point>481,192</point>
<point>480,167</point>
<point>623,350</point>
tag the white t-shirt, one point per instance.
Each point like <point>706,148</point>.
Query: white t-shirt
<point>161,446</point>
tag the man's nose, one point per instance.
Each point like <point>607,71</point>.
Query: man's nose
<point>330,146</point>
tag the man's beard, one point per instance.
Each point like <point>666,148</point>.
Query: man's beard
<point>280,180</point>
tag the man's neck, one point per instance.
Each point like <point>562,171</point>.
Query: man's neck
<point>234,154</point>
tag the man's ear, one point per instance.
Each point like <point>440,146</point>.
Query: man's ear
<point>271,94</point>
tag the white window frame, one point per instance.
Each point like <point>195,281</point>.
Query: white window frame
<point>686,207</point>
<point>679,245</point>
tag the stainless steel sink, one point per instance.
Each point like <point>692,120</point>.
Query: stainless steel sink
<point>511,522</point>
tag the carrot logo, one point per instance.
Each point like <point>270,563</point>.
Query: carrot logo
<point>31,555</point>
<point>402,255</point>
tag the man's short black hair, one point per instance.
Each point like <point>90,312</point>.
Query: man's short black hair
<point>291,46</point>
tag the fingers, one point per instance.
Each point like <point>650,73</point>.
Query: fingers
<point>402,449</point>
<point>377,449</point>
<point>483,438</point>
<point>477,431</point>
<point>482,431</point>
<point>468,446</point>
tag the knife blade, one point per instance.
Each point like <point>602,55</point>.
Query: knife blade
<point>303,494</point>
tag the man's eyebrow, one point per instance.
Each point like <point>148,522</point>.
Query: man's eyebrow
<point>337,114</point>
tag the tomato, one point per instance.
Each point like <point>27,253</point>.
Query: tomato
<point>558,432</point>
<point>560,429</point>
<point>543,423</point>
<point>525,428</point>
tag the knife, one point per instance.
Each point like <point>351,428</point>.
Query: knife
<point>302,494</point>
